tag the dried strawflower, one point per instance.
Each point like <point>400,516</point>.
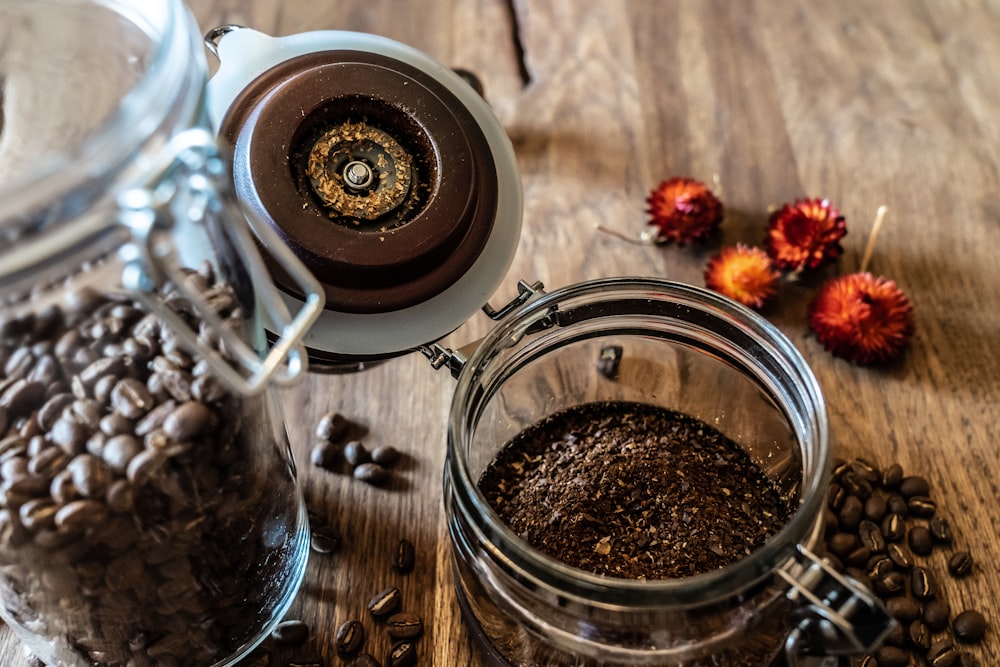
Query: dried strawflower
<point>805,234</point>
<point>682,210</point>
<point>744,274</point>
<point>862,318</point>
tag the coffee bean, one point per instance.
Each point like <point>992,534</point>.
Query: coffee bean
<point>936,614</point>
<point>356,453</point>
<point>404,625</point>
<point>119,450</point>
<point>115,424</point>
<point>53,409</point>
<point>879,565</point>
<point>890,584</point>
<point>189,421</point>
<point>155,418</point>
<point>143,465</point>
<point>325,539</point>
<point>969,626</point>
<point>131,399</point>
<point>385,455</point>
<point>120,496</point>
<point>404,556</point>
<point>904,608</point>
<point>331,427</point>
<point>871,536</point>
<point>38,514</point>
<point>609,361</point>
<point>914,486</point>
<point>960,564</point>
<point>920,540</point>
<point>896,636</point>
<point>922,584</point>
<point>104,366</point>
<point>21,397</point>
<point>48,462</point>
<point>896,504</point>
<point>876,507</point>
<point>893,528</point>
<point>941,530</point>
<point>892,656</point>
<point>366,660</point>
<point>385,602</point>
<point>858,557</point>
<point>290,633</point>
<point>900,555</point>
<point>402,654</point>
<point>371,473</point>
<point>80,514</point>
<point>349,638</point>
<point>942,653</point>
<point>325,455</point>
<point>921,506</point>
<point>70,435</point>
<point>850,514</point>
<point>842,544</point>
<point>919,635</point>
<point>856,485</point>
<point>90,475</point>
<point>61,488</point>
<point>836,496</point>
<point>860,576</point>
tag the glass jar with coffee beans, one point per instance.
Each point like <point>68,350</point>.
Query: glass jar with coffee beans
<point>660,514</point>
<point>149,514</point>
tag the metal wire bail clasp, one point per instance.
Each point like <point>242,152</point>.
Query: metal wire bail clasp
<point>182,217</point>
<point>836,616</point>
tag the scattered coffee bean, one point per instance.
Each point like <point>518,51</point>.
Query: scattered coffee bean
<point>325,455</point>
<point>942,653</point>
<point>851,513</point>
<point>893,528</point>
<point>879,565</point>
<point>331,427</point>
<point>922,584</point>
<point>404,556</point>
<point>609,361</point>
<point>404,625</point>
<point>904,608</point>
<point>385,603</point>
<point>896,504</point>
<point>941,530</point>
<point>366,660</point>
<point>890,584</point>
<point>936,614</point>
<point>325,539</point>
<point>856,484</point>
<point>960,564</point>
<point>896,636</point>
<point>385,455</point>
<point>920,540</point>
<point>842,544</point>
<point>900,555</point>
<point>349,638</point>
<point>371,473</point>
<point>356,453</point>
<point>921,506</point>
<point>892,476</point>
<point>892,656</point>
<point>914,486</point>
<point>290,633</point>
<point>969,626</point>
<point>919,635</point>
<point>876,507</point>
<point>867,470</point>
<point>871,536</point>
<point>402,654</point>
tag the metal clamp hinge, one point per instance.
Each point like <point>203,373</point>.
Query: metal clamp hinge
<point>836,616</point>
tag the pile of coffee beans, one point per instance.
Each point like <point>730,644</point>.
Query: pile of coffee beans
<point>144,520</point>
<point>880,527</point>
<point>331,453</point>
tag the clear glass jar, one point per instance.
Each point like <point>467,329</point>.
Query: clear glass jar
<point>149,513</point>
<point>692,351</point>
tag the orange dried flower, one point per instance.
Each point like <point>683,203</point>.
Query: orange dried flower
<point>683,210</point>
<point>744,274</point>
<point>805,234</point>
<point>862,318</point>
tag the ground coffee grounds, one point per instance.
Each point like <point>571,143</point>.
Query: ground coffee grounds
<point>633,491</point>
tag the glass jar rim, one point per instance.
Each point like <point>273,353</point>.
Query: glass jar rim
<point>700,588</point>
<point>114,141</point>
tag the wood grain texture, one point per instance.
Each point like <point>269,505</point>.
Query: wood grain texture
<point>865,103</point>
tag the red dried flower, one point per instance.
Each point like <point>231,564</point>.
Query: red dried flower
<point>683,210</point>
<point>862,318</point>
<point>805,234</point>
<point>744,274</point>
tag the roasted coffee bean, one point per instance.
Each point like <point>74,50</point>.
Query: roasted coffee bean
<point>890,584</point>
<point>349,638</point>
<point>960,564</point>
<point>38,514</point>
<point>892,656</point>
<point>120,496</point>
<point>850,514</point>
<point>941,530</point>
<point>864,661</point>
<point>836,496</point>
<point>921,506</point>
<point>189,421</point>
<point>920,540</point>
<point>904,608</point>
<point>922,584</point>
<point>90,475</point>
<point>53,409</point>
<point>609,360</point>
<point>104,366</point>
<point>80,514</point>
<point>143,465</point>
<point>896,636</point>
<point>942,653</point>
<point>402,654</point>
<point>830,525</point>
<point>896,504</point>
<point>48,462</point>
<point>867,470</point>
<point>858,557</point>
<point>860,576</point>
<point>900,555</point>
<point>331,427</point>
<point>969,626</point>
<point>325,539</point>
<point>936,614</point>
<point>876,507</point>
<point>70,435</point>
<point>325,455</point>
<point>385,455</point>
<point>914,486</point>
<point>879,565</point>
<point>155,418</point>
<point>871,536</point>
<point>131,399</point>
<point>404,625</point>
<point>119,450</point>
<point>968,660</point>
<point>919,635</point>
<point>842,544</point>
<point>356,453</point>
<point>207,389</point>
<point>893,528</point>
<point>371,473</point>
<point>366,660</point>
<point>21,397</point>
<point>385,602</point>
<point>856,485</point>
<point>404,557</point>
<point>115,424</point>
<point>61,488</point>
<point>290,633</point>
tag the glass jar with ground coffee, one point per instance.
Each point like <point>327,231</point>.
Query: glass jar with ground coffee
<point>149,514</point>
<point>636,474</point>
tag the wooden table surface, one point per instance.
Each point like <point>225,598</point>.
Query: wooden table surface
<point>864,103</point>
